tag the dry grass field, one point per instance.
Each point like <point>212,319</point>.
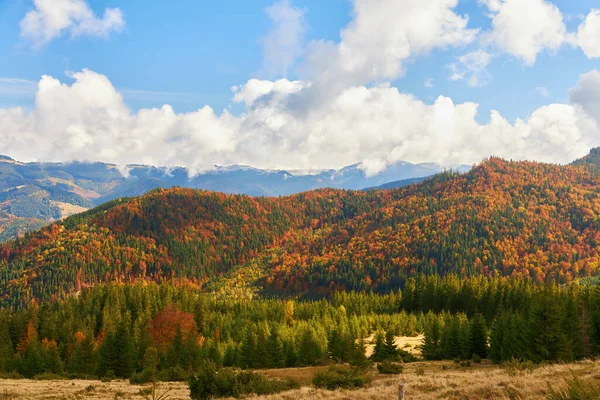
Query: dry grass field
<point>424,380</point>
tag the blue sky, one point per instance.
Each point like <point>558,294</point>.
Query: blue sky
<point>189,54</point>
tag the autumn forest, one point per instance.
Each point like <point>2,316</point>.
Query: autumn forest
<point>499,263</point>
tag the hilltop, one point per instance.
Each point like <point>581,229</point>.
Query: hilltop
<point>36,194</point>
<point>525,219</point>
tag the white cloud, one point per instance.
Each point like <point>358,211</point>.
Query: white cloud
<point>340,112</point>
<point>429,83</point>
<point>588,34</point>
<point>283,45</point>
<point>53,18</point>
<point>587,94</point>
<point>524,28</point>
<point>382,35</point>
<point>379,125</point>
<point>473,68</point>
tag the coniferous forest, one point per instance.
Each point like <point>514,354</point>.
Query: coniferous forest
<point>500,263</point>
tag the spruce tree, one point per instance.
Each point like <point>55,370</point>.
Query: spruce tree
<point>6,346</point>
<point>336,346</point>
<point>478,337</point>
<point>310,351</point>
<point>390,349</point>
<point>51,356</point>
<point>83,358</point>
<point>431,343</point>
<point>248,349</point>
<point>379,351</point>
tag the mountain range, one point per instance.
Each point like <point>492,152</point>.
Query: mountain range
<point>35,194</point>
<point>536,221</point>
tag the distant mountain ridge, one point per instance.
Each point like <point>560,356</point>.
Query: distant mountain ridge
<point>35,194</point>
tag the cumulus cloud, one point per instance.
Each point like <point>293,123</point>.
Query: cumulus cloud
<point>382,36</point>
<point>340,112</point>
<point>472,67</point>
<point>378,125</point>
<point>52,18</point>
<point>587,94</point>
<point>588,34</point>
<point>283,44</point>
<point>524,28</point>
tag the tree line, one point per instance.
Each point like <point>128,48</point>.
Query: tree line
<point>110,330</point>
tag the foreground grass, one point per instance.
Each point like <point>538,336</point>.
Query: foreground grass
<point>424,380</point>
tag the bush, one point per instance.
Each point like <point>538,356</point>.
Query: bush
<point>389,368</point>
<point>465,363</point>
<point>420,371</point>
<point>173,374</point>
<point>576,390</point>
<point>225,382</point>
<point>109,376</point>
<point>341,377</point>
<point>406,357</point>
<point>476,359</point>
<point>11,375</point>
<point>143,376</point>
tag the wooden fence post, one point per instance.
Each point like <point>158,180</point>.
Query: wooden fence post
<point>400,391</point>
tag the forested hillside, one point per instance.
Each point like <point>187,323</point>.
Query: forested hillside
<point>35,194</point>
<point>521,219</point>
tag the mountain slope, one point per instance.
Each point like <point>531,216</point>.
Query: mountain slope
<point>502,218</point>
<point>39,193</point>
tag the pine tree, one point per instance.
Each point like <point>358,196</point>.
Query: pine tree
<point>6,346</point>
<point>248,349</point>
<point>336,346</point>
<point>83,357</point>
<point>51,356</point>
<point>546,339</point>
<point>450,341</point>
<point>291,356</point>
<point>117,353</point>
<point>276,350</point>
<point>33,359</point>
<point>379,351</point>
<point>310,351</point>
<point>358,354</point>
<point>478,337</point>
<point>431,343</point>
<point>390,349</point>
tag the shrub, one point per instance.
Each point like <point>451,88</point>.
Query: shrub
<point>576,390</point>
<point>109,376</point>
<point>420,372</point>
<point>143,376</point>
<point>465,363</point>
<point>11,375</point>
<point>406,357</point>
<point>225,382</point>
<point>389,368</point>
<point>341,377</point>
<point>476,359</point>
<point>173,374</point>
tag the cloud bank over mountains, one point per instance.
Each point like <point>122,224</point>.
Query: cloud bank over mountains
<point>340,111</point>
